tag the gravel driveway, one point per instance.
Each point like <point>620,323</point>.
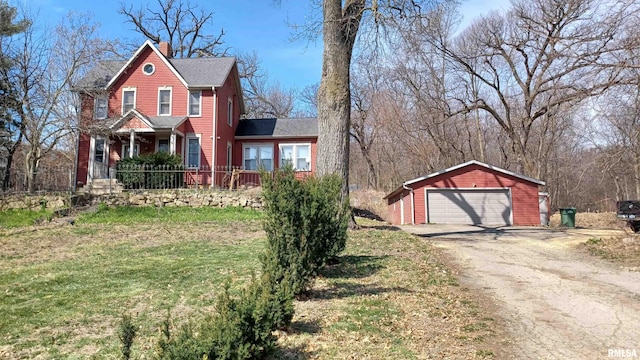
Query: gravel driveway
<point>558,303</point>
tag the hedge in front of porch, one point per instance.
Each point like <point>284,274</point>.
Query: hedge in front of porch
<point>152,171</point>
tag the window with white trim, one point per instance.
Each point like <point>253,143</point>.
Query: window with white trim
<point>164,101</point>
<point>163,145</point>
<point>193,151</point>
<point>296,155</point>
<point>101,106</point>
<point>230,112</point>
<point>100,155</point>
<point>128,99</point>
<point>125,150</point>
<point>148,69</point>
<point>257,157</point>
<point>195,108</point>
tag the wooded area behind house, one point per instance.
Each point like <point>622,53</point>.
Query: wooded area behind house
<point>549,89</point>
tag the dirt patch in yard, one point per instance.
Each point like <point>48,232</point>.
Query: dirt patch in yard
<point>393,296</point>
<point>604,220</point>
<point>623,250</point>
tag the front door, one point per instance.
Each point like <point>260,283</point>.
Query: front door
<point>99,159</point>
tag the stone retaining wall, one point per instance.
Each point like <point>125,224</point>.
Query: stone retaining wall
<point>191,198</point>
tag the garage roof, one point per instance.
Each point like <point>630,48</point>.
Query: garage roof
<point>468,163</point>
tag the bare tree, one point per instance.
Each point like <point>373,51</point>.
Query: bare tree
<point>309,98</point>
<point>11,129</point>
<point>537,61</point>
<point>619,137</point>
<point>427,82</point>
<point>340,24</point>
<point>185,26</point>
<point>263,98</point>
<point>46,66</point>
<point>366,96</point>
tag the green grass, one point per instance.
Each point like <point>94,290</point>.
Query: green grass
<point>19,218</point>
<point>64,290</point>
<point>136,215</point>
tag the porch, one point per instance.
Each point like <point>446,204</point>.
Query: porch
<point>145,177</point>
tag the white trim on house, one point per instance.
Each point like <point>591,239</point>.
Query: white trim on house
<point>258,158</point>
<point>168,144</point>
<point>135,95</point>
<point>135,56</point>
<point>199,114</point>
<point>214,137</point>
<point>153,68</point>
<point>124,119</point>
<point>96,102</point>
<point>136,150</point>
<point>190,136</point>
<point>475,162</point>
<point>295,155</point>
<point>230,111</point>
<point>92,157</point>
<point>160,90</point>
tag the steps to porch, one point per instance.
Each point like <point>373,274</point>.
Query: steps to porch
<point>104,186</point>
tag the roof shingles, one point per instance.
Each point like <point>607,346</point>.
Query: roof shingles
<point>278,128</point>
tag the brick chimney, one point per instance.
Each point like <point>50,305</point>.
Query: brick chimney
<point>165,49</point>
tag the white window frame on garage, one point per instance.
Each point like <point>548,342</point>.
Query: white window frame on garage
<point>426,198</point>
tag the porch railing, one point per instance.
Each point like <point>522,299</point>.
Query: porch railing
<point>176,177</point>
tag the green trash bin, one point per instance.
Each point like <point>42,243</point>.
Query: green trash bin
<point>568,217</point>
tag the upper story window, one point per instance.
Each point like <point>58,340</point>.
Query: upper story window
<point>195,108</point>
<point>101,106</point>
<point>258,156</point>
<point>148,69</point>
<point>128,99</point>
<point>296,155</point>
<point>164,101</point>
<point>230,112</point>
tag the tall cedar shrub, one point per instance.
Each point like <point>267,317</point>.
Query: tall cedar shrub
<point>306,225</point>
<point>242,328</point>
<point>126,333</point>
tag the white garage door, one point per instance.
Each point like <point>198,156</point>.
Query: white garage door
<point>477,206</point>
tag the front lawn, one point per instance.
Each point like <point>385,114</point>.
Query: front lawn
<point>64,288</point>
<point>18,217</point>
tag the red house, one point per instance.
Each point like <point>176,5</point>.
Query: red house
<point>189,107</point>
<point>469,193</point>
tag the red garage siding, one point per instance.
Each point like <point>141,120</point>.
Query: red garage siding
<point>474,175</point>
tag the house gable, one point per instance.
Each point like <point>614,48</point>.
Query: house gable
<point>141,50</point>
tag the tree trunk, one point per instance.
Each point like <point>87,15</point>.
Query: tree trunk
<point>636,175</point>
<point>334,96</point>
<point>32,161</point>
<point>7,173</point>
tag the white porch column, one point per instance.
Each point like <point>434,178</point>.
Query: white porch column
<point>172,143</point>
<point>132,142</point>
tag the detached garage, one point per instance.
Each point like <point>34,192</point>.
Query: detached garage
<point>469,193</point>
